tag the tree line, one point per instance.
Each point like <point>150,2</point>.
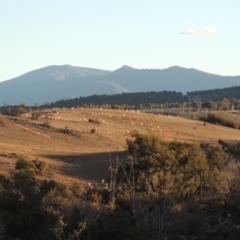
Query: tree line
<point>169,102</point>
<point>215,94</point>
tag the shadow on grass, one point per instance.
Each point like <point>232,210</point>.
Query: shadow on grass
<point>90,166</point>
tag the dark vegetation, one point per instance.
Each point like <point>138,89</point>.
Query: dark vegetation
<point>163,190</point>
<point>142,100</point>
<point>96,121</point>
<point>13,110</point>
<point>224,120</point>
<point>231,148</point>
<point>123,98</point>
<point>216,94</point>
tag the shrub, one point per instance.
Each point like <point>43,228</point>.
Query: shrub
<point>231,148</point>
<point>93,121</point>
<point>67,130</point>
<point>59,195</point>
<point>78,190</point>
<point>223,120</point>
<point>134,133</point>
<point>14,111</point>
<point>113,225</point>
<point>93,130</point>
<point>41,166</point>
<point>23,164</point>
<point>26,171</point>
<point>116,107</point>
<point>19,111</point>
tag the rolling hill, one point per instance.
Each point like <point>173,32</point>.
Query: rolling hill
<point>74,153</point>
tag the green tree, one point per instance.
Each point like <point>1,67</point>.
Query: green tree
<point>158,165</point>
<point>210,105</point>
<point>224,104</point>
<point>215,156</point>
<point>20,110</point>
<point>21,205</point>
<point>196,105</point>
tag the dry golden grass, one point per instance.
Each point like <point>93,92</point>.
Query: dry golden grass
<point>74,154</point>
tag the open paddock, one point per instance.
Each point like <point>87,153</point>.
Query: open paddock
<point>77,153</point>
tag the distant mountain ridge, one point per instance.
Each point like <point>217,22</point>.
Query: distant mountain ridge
<point>53,83</point>
<point>63,72</point>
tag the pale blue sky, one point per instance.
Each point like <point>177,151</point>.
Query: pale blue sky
<point>106,34</point>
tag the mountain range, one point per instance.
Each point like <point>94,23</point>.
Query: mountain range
<point>53,83</point>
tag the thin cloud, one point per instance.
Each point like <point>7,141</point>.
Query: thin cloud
<point>199,32</point>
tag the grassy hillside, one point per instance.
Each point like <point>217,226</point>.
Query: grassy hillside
<point>71,171</point>
<point>79,150</point>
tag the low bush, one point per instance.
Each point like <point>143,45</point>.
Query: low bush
<point>96,121</point>
<point>67,130</point>
<point>93,130</point>
<point>23,164</point>
<point>223,120</point>
<point>35,167</point>
<point>230,148</point>
<point>41,166</point>
<point>13,110</point>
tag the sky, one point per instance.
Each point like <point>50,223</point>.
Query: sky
<point>107,34</point>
